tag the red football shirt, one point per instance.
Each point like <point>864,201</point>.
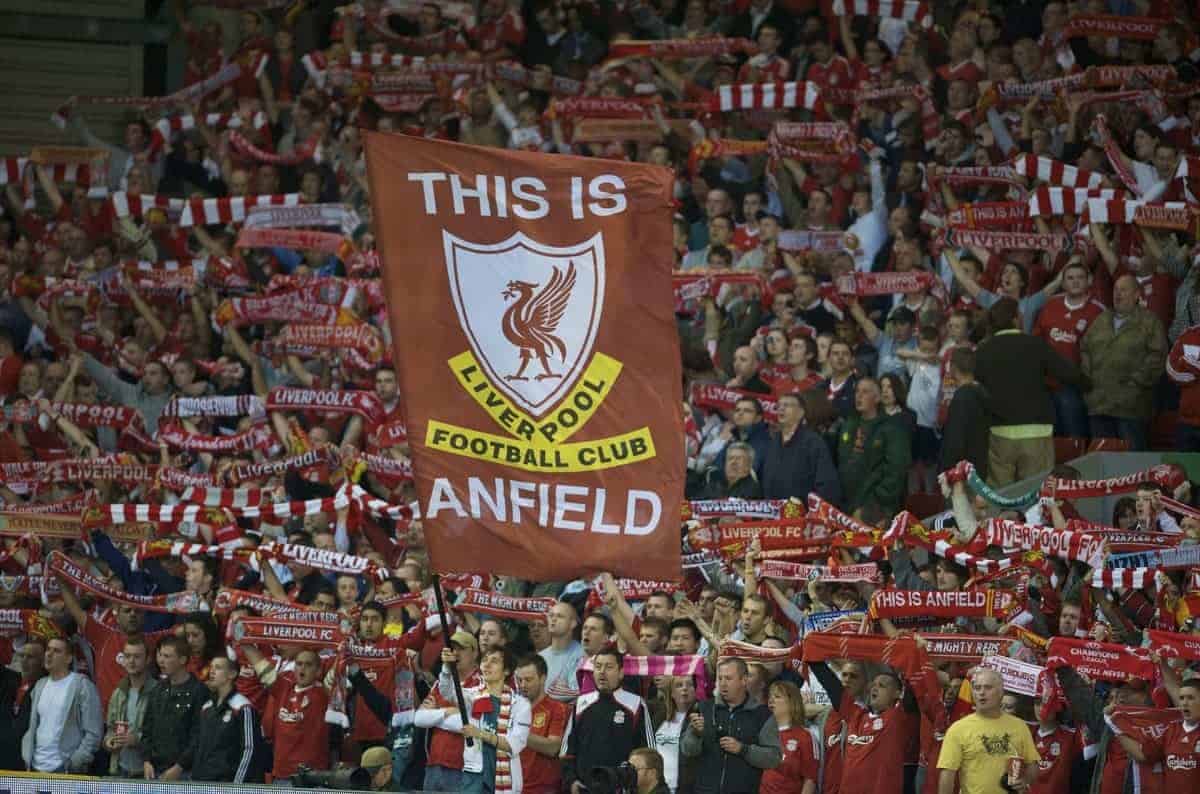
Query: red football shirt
<point>108,643</point>
<point>1058,750</point>
<point>876,749</point>
<point>549,718</point>
<point>846,713</point>
<point>799,764</point>
<point>1179,751</point>
<point>295,722</point>
<point>1063,325</point>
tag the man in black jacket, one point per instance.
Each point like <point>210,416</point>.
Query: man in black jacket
<point>171,710</point>
<point>605,726</point>
<point>734,736</point>
<point>965,434</point>
<point>798,460</point>
<point>1012,367</point>
<point>227,743</point>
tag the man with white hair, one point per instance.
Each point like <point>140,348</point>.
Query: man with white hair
<point>977,749</point>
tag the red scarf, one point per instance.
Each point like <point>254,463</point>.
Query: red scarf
<point>280,307</point>
<point>1167,475</point>
<point>297,239</point>
<point>256,471</point>
<point>1102,661</point>
<point>1175,644</point>
<point>801,572</point>
<point>500,605</point>
<point>1052,542</point>
<point>715,397</point>
<point>674,49</point>
<point>257,437</point>
<point>1009,241</point>
<point>325,560</point>
<point>287,630</point>
<point>306,151</point>
<point>871,284</point>
<point>175,603</point>
<point>1111,26</point>
<point>892,603</point>
<point>989,215</point>
<point>360,337</point>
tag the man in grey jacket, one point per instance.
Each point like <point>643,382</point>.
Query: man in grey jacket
<point>149,396</point>
<point>734,736</point>
<point>65,724</point>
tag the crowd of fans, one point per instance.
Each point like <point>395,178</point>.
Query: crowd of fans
<point>966,242</point>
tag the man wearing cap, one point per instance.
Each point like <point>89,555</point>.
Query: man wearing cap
<point>377,762</point>
<point>888,342</point>
<point>444,764</point>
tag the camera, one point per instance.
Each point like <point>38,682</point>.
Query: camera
<point>351,778</point>
<point>620,779</point>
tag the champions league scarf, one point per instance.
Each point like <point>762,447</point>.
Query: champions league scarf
<point>1101,661</point>
<point>891,603</point>
<point>174,603</point>
<point>492,603</point>
<point>1173,644</point>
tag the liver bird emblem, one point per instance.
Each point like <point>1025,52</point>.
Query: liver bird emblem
<point>531,321</point>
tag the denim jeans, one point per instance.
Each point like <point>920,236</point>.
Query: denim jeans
<point>440,778</point>
<point>1070,413</point>
<point>1132,431</point>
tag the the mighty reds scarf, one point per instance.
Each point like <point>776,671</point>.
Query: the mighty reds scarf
<point>995,240</point>
<point>673,49</point>
<point>715,397</point>
<point>1102,661</point>
<point>257,437</point>
<point>891,603</point>
<point>1053,542</point>
<point>295,239</point>
<point>229,599</point>
<point>174,603</point>
<point>1174,644</point>
<point>769,96</point>
<point>286,630</point>
<point>341,216</point>
<point>1111,26</point>
<point>989,215</point>
<point>492,603</point>
<point>964,175</point>
<point>324,560</point>
<point>962,647</point>
<point>231,209</point>
<point>904,10</point>
<point>890,283</point>
<point>801,572</point>
<point>214,405</point>
<point>362,403</point>
<point>1055,173</point>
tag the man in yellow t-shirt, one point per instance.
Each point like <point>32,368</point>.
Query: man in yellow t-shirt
<point>978,747</point>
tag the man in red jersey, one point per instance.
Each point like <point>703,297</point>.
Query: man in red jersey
<point>541,771</point>
<point>1177,747</point>
<point>1062,322</point>
<point>371,620</point>
<point>295,718</point>
<point>1059,746</point>
<point>846,694</point>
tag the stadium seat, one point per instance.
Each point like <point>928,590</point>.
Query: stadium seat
<point>1067,448</point>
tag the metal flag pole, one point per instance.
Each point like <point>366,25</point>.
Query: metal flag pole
<point>441,608</point>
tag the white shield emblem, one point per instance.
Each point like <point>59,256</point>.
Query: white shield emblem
<point>530,312</point>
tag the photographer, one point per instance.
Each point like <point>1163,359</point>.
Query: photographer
<point>649,766</point>
<point>734,736</point>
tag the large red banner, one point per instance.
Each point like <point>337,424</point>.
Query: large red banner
<point>529,298</point>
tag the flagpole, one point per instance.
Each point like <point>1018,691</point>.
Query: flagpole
<point>441,608</point>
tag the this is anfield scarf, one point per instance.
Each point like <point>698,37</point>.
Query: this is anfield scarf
<point>891,603</point>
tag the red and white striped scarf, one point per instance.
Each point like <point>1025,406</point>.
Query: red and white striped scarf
<point>231,209</point>
<point>1052,542</point>
<point>1055,173</point>
<point>769,96</point>
<point>904,10</point>
<point>126,204</point>
<point>1045,201</point>
<point>184,96</point>
<point>1129,578</point>
<point>380,60</point>
<point>166,128</point>
<point>1175,215</point>
<point>683,666</point>
<point>12,170</point>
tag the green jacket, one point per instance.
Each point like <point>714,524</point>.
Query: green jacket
<point>873,460</point>
<point>1123,365</point>
<point>116,713</point>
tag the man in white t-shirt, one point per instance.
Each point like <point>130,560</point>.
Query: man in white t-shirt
<point>65,723</point>
<point>563,654</point>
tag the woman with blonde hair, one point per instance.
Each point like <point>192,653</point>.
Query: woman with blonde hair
<point>797,772</point>
<point>678,695</point>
